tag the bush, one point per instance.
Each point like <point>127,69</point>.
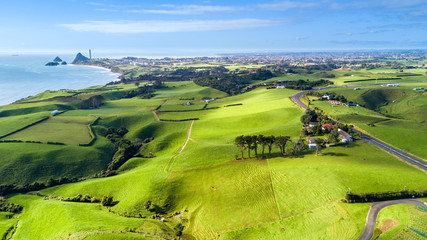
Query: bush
<point>6,206</point>
<point>107,200</point>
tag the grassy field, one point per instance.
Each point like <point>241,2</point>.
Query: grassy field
<point>213,195</point>
<point>14,123</point>
<point>68,130</point>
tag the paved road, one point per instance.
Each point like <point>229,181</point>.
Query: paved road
<point>375,208</point>
<point>402,155</point>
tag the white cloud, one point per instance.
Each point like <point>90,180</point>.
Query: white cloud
<point>187,9</point>
<point>286,5</point>
<point>155,26</point>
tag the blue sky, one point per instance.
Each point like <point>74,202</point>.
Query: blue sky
<point>191,28</point>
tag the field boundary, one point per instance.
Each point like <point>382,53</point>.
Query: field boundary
<point>92,134</point>
<point>23,128</point>
<point>274,192</point>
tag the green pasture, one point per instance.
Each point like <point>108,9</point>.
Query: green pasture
<point>13,123</point>
<point>181,105</point>
<point>53,219</point>
<point>187,89</point>
<point>68,130</point>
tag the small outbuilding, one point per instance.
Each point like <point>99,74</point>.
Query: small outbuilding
<point>54,112</point>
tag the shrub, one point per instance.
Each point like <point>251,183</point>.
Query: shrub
<point>107,200</point>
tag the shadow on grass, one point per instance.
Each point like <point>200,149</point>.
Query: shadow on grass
<point>335,154</point>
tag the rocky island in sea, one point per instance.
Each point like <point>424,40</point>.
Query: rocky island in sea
<point>80,58</point>
<point>56,62</point>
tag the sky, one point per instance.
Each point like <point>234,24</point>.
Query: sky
<point>205,28</point>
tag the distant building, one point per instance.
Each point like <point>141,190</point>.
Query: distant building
<point>312,124</point>
<point>209,100</point>
<point>189,103</point>
<point>419,88</point>
<point>352,105</point>
<point>345,137</point>
<point>280,87</point>
<point>357,88</point>
<point>392,85</point>
<point>335,102</point>
<point>54,112</point>
<point>326,96</point>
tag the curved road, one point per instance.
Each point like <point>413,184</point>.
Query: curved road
<point>401,154</point>
<point>375,208</point>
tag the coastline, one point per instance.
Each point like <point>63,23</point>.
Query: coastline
<point>23,79</point>
<point>101,68</point>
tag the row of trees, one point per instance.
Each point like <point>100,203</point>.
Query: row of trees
<point>384,196</point>
<point>253,142</point>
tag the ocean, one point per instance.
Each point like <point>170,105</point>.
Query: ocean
<point>26,75</point>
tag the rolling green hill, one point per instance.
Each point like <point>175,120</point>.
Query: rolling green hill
<point>201,186</point>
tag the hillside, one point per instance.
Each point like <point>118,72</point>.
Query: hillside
<point>200,186</point>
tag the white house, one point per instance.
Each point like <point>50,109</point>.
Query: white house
<point>345,137</point>
<point>392,85</point>
<point>326,96</point>
<point>54,112</point>
<point>280,87</point>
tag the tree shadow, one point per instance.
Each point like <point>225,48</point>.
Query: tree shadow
<point>335,154</point>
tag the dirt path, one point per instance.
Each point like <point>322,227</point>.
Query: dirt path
<point>182,148</point>
<point>188,137</point>
<point>374,210</point>
<point>155,115</point>
<point>155,111</point>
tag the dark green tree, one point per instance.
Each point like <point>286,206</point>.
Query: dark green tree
<point>262,141</point>
<point>240,142</point>
<point>270,141</point>
<point>281,142</point>
<point>255,144</point>
<point>249,142</point>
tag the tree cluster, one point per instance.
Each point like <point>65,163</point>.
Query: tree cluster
<point>125,148</point>
<point>92,102</point>
<point>78,198</point>
<point>145,92</point>
<point>384,196</point>
<point>306,84</point>
<point>232,83</point>
<point>332,96</point>
<point>6,206</point>
<point>253,142</point>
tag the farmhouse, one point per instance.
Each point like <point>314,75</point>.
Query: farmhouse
<point>327,126</point>
<point>345,137</point>
<point>312,142</point>
<point>280,87</point>
<point>189,103</point>
<point>312,124</point>
<point>392,85</point>
<point>326,96</point>
<point>54,112</point>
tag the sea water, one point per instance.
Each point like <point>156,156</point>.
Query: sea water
<point>26,75</point>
